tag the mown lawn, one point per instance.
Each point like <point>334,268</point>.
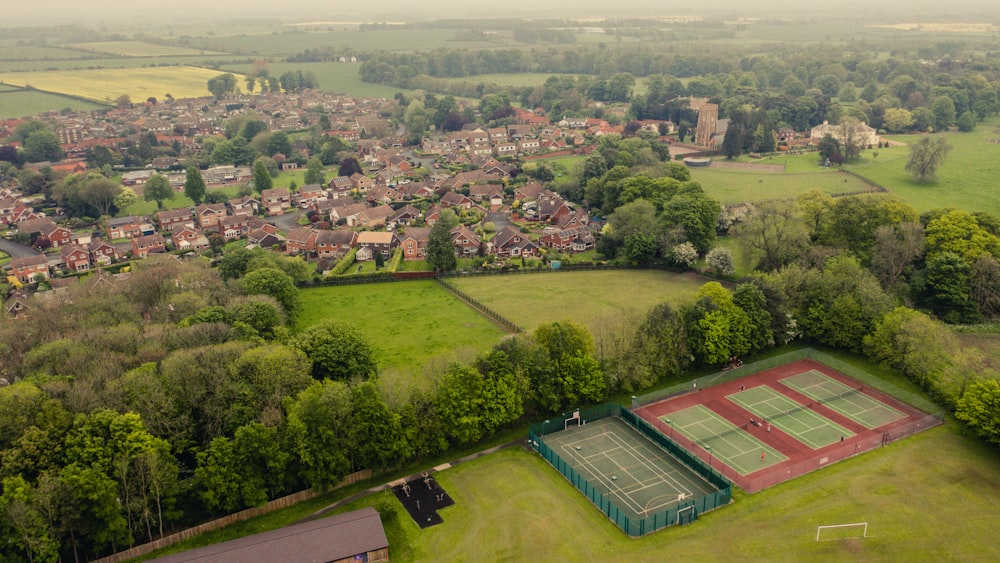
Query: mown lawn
<point>335,77</point>
<point>408,323</point>
<point>585,297</point>
<point>740,186</point>
<point>142,207</point>
<point>931,497</point>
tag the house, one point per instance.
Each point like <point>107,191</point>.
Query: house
<point>380,194</point>
<point>529,191</point>
<point>137,178</point>
<point>123,227</point>
<point>334,244</point>
<point>455,199</point>
<point>187,238</point>
<point>276,200</point>
<point>300,241</point>
<point>371,242</point>
<point>75,257</point>
<point>209,214</point>
<point>28,268</point>
<point>101,252</point>
<point>148,244</point>
<point>466,241</point>
<point>17,306</point>
<point>263,237</point>
<point>310,194</point>
<point>347,213</point>
<point>374,216</point>
<point>349,537</point>
<point>574,239</point>
<point>480,192</point>
<point>168,218</point>
<point>361,182</point>
<point>528,146</point>
<point>512,243</point>
<point>234,226</point>
<point>340,186</point>
<point>48,234</point>
<point>404,216</point>
<point>414,242</point>
<point>245,205</point>
<point>863,134</point>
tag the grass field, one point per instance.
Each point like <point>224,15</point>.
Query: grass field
<point>585,297</point>
<point>373,40</point>
<point>964,179</point>
<point>335,77</point>
<point>142,207</point>
<point>915,494</point>
<point>25,103</point>
<point>407,323</point>
<point>739,186</point>
<point>138,49</point>
<point>103,85</point>
<point>37,53</point>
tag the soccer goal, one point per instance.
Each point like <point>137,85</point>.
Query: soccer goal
<point>687,515</point>
<point>573,420</point>
<point>842,531</point>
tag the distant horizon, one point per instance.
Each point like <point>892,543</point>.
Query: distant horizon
<point>42,13</point>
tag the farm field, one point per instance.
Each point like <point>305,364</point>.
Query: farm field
<point>965,179</point>
<point>104,85</point>
<point>334,77</point>
<point>913,493</point>
<point>407,323</point>
<point>289,43</point>
<point>16,102</point>
<point>37,53</point>
<point>91,61</point>
<point>529,300</point>
<point>137,49</point>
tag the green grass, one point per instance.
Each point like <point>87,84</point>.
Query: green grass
<point>138,49</point>
<point>37,53</point>
<point>739,186</point>
<point>24,103</point>
<point>297,41</point>
<point>519,79</point>
<point>933,496</point>
<point>334,77</point>
<point>965,179</point>
<point>585,297</point>
<point>407,323</point>
<point>142,207</point>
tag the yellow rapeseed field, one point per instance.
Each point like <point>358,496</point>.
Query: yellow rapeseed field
<point>108,84</point>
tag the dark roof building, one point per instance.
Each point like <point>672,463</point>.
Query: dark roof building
<point>352,536</point>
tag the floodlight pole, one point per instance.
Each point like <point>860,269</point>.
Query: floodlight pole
<point>546,423</point>
<point>671,426</point>
<point>709,450</point>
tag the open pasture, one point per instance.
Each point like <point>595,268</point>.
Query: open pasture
<point>38,53</point>
<point>740,186</point>
<point>964,180</point>
<point>137,49</point>
<point>17,102</point>
<point>585,297</point>
<point>291,42</point>
<point>107,84</point>
<point>407,323</point>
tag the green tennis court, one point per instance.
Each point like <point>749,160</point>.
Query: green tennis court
<point>723,439</point>
<point>793,418</point>
<point>844,399</point>
<point>625,466</point>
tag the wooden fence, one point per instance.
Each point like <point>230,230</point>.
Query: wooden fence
<point>276,504</point>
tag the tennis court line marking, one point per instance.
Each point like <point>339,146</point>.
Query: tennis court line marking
<point>775,403</point>
<point>699,415</point>
<point>819,387</point>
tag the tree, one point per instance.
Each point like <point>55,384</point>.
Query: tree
<point>157,189</point>
<point>376,432</point>
<point>896,247</point>
<point>897,120</point>
<point>979,408</point>
<point>772,234</point>
<point>720,259</point>
<point>947,289</point>
<point>194,185</point>
<point>261,177</point>
<point>315,171</point>
<point>461,404</point>
<point>100,193</point>
<point>318,431</point>
<point>125,198</point>
<point>658,350</point>
<point>572,375</point>
<point>337,351</point>
<point>277,284</point>
<point>853,137</point>
<point>943,108</point>
<point>349,166</point>
<point>829,149</point>
<point>926,155</point>
<point>440,250</point>
<point>967,122</point>
<point>959,232</point>
<point>222,85</point>
<point>42,145</point>
<point>717,328</point>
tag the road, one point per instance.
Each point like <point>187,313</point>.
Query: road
<point>16,250</point>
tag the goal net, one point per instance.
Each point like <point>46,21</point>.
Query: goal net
<point>572,421</point>
<point>842,531</point>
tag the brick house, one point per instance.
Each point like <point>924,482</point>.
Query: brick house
<point>370,242</point>
<point>300,241</point>
<point>276,200</point>
<point>102,252</point>
<point>414,242</point>
<point>511,243</point>
<point>188,238</point>
<point>124,227</point>
<point>25,269</point>
<point>148,244</point>
<point>234,226</point>
<point>209,214</point>
<point>361,182</point>
<point>167,218</point>
<point>333,244</point>
<point>375,216</point>
<point>75,257</point>
<point>465,241</point>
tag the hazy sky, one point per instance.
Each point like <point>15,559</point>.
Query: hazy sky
<point>40,12</point>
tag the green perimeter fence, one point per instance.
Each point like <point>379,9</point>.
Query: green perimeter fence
<point>750,368</point>
<point>635,527</point>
